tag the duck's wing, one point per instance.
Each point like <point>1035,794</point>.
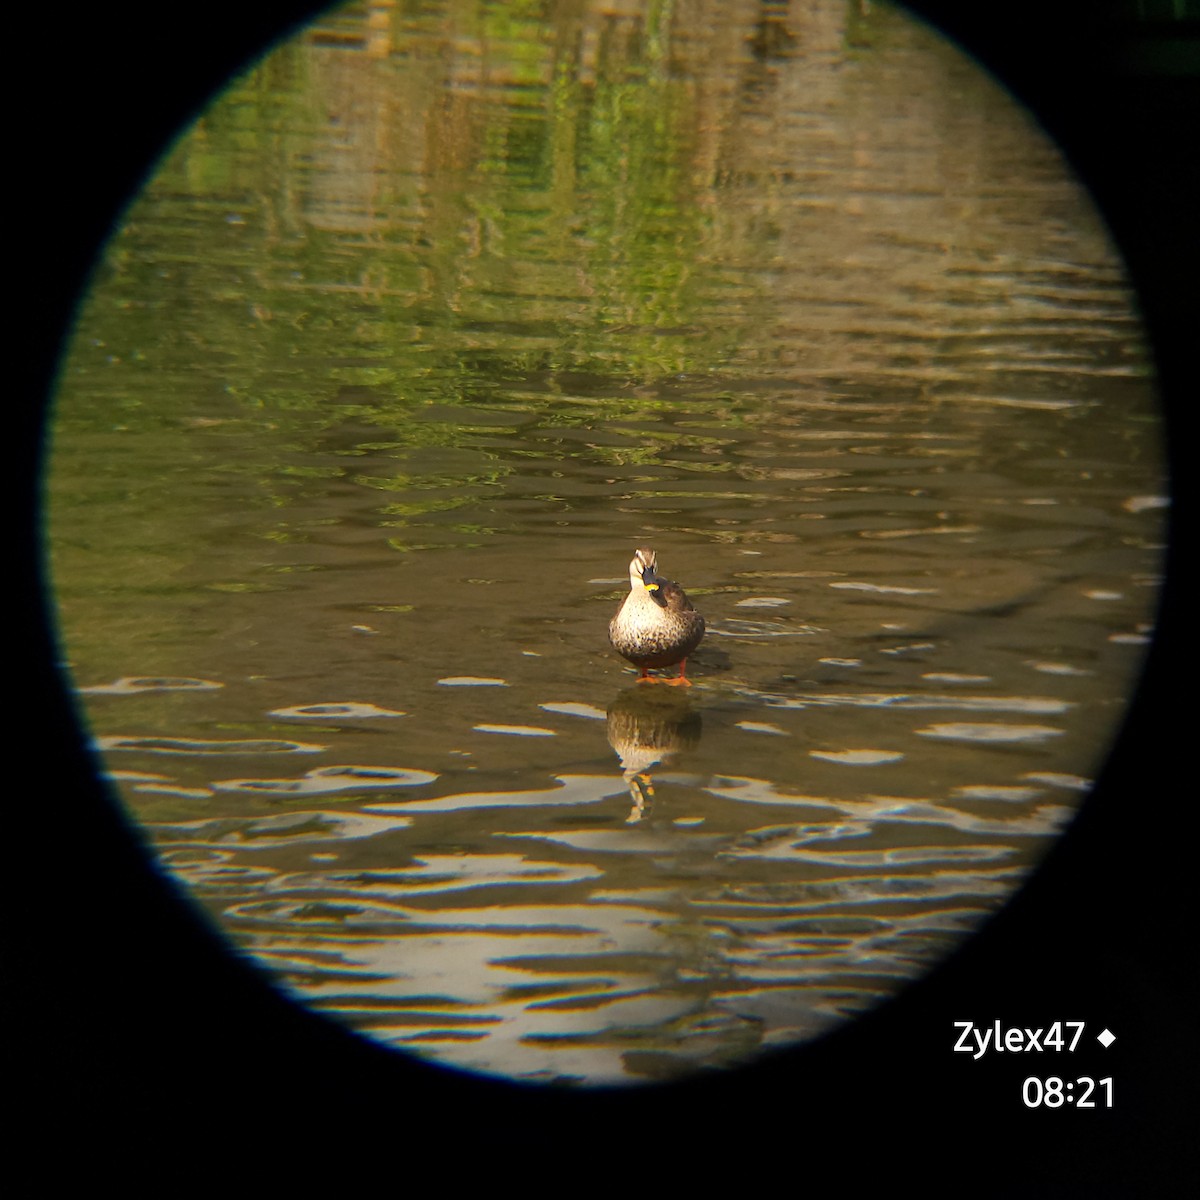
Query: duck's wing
<point>675,596</point>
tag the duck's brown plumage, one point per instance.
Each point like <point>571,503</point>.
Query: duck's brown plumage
<point>656,625</point>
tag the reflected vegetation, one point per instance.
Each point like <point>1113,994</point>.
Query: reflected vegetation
<point>435,316</point>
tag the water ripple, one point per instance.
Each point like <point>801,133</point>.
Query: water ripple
<point>968,732</point>
<point>325,709</point>
<point>133,685</point>
<point>323,780</point>
<point>183,745</point>
<point>913,701</point>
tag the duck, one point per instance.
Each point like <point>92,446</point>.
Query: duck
<point>656,625</point>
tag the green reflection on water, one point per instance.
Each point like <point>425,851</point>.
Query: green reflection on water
<point>480,238</point>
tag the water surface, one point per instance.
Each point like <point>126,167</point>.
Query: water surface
<point>410,341</point>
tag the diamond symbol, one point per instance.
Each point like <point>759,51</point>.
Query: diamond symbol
<point>1106,1039</point>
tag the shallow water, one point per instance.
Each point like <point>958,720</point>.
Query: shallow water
<point>414,338</point>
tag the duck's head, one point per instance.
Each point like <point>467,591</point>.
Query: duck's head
<point>642,572</point>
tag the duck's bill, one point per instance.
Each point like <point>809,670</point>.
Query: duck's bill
<point>655,589</point>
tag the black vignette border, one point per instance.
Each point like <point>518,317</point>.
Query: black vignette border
<point>1085,938</point>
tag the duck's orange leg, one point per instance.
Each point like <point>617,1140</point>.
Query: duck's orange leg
<point>681,680</point>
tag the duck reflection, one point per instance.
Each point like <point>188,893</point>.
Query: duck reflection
<point>645,727</point>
